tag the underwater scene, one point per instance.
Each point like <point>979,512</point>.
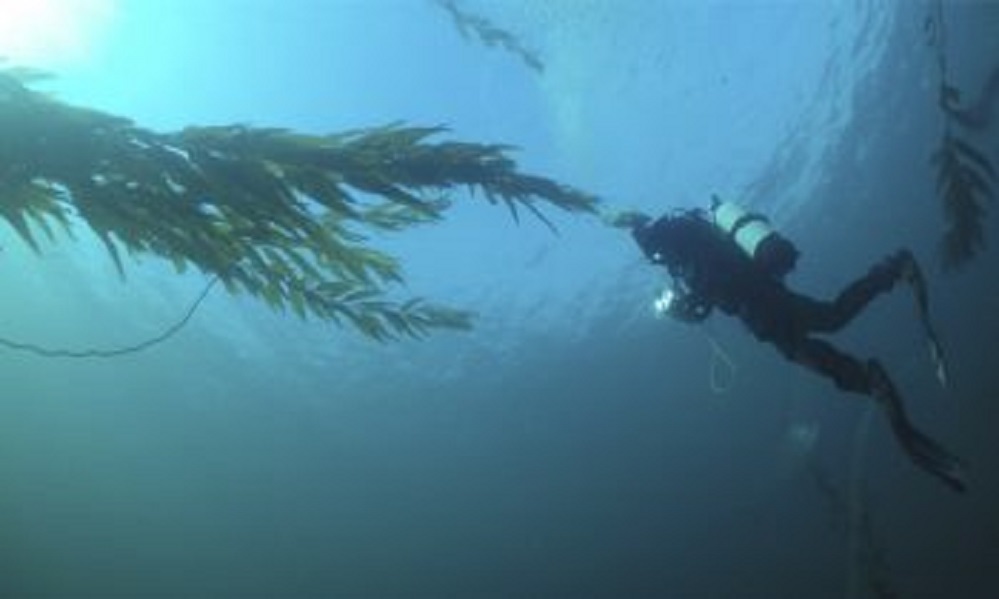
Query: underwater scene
<point>499,298</point>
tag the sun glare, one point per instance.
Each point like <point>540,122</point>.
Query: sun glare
<point>51,33</point>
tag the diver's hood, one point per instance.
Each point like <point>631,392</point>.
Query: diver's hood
<point>654,239</point>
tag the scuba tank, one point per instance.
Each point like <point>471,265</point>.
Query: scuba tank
<point>767,248</point>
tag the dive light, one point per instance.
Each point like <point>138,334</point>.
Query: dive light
<point>664,303</point>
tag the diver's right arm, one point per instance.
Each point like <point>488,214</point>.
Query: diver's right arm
<point>680,304</point>
<point>690,308</point>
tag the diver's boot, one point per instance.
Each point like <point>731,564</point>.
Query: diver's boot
<point>925,452</point>
<point>906,268</point>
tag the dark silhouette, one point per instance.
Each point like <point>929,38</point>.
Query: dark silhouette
<point>732,260</point>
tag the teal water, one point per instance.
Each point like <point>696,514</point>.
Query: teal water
<point>570,446</point>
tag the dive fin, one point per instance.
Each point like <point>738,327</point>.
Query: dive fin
<point>913,275</point>
<point>932,457</point>
<point>936,353</point>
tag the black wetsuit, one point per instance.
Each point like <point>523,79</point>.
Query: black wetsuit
<point>712,271</point>
<point>717,273</point>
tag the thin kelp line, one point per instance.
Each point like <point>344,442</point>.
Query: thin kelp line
<point>170,331</point>
<point>866,561</point>
<point>720,359</point>
<point>856,505</point>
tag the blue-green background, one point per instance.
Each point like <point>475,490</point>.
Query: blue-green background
<point>570,446</point>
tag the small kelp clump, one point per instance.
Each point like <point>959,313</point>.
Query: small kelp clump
<point>469,24</point>
<point>977,115</point>
<point>283,216</point>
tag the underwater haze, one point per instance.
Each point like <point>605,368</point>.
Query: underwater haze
<point>571,444</point>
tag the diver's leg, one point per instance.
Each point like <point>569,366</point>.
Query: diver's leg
<point>827,317</point>
<point>847,372</point>
<point>871,379</point>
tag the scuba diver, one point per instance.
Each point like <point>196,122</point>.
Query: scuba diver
<point>730,259</point>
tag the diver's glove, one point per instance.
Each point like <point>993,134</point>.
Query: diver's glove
<point>685,307</point>
<point>625,219</point>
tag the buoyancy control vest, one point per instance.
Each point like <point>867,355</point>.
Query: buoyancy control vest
<point>767,248</point>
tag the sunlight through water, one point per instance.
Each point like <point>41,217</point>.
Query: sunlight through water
<point>51,33</point>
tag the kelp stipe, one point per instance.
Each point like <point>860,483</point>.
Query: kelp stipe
<point>867,569</point>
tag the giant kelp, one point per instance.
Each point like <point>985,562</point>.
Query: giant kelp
<point>284,216</point>
<point>964,181</point>
<point>965,176</point>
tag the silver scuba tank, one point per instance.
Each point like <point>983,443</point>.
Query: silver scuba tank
<point>767,248</point>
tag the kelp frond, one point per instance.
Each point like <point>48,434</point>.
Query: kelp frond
<point>964,180</point>
<point>274,213</point>
<point>380,319</point>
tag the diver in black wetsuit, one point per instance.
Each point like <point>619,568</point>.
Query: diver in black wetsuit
<point>712,266</point>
